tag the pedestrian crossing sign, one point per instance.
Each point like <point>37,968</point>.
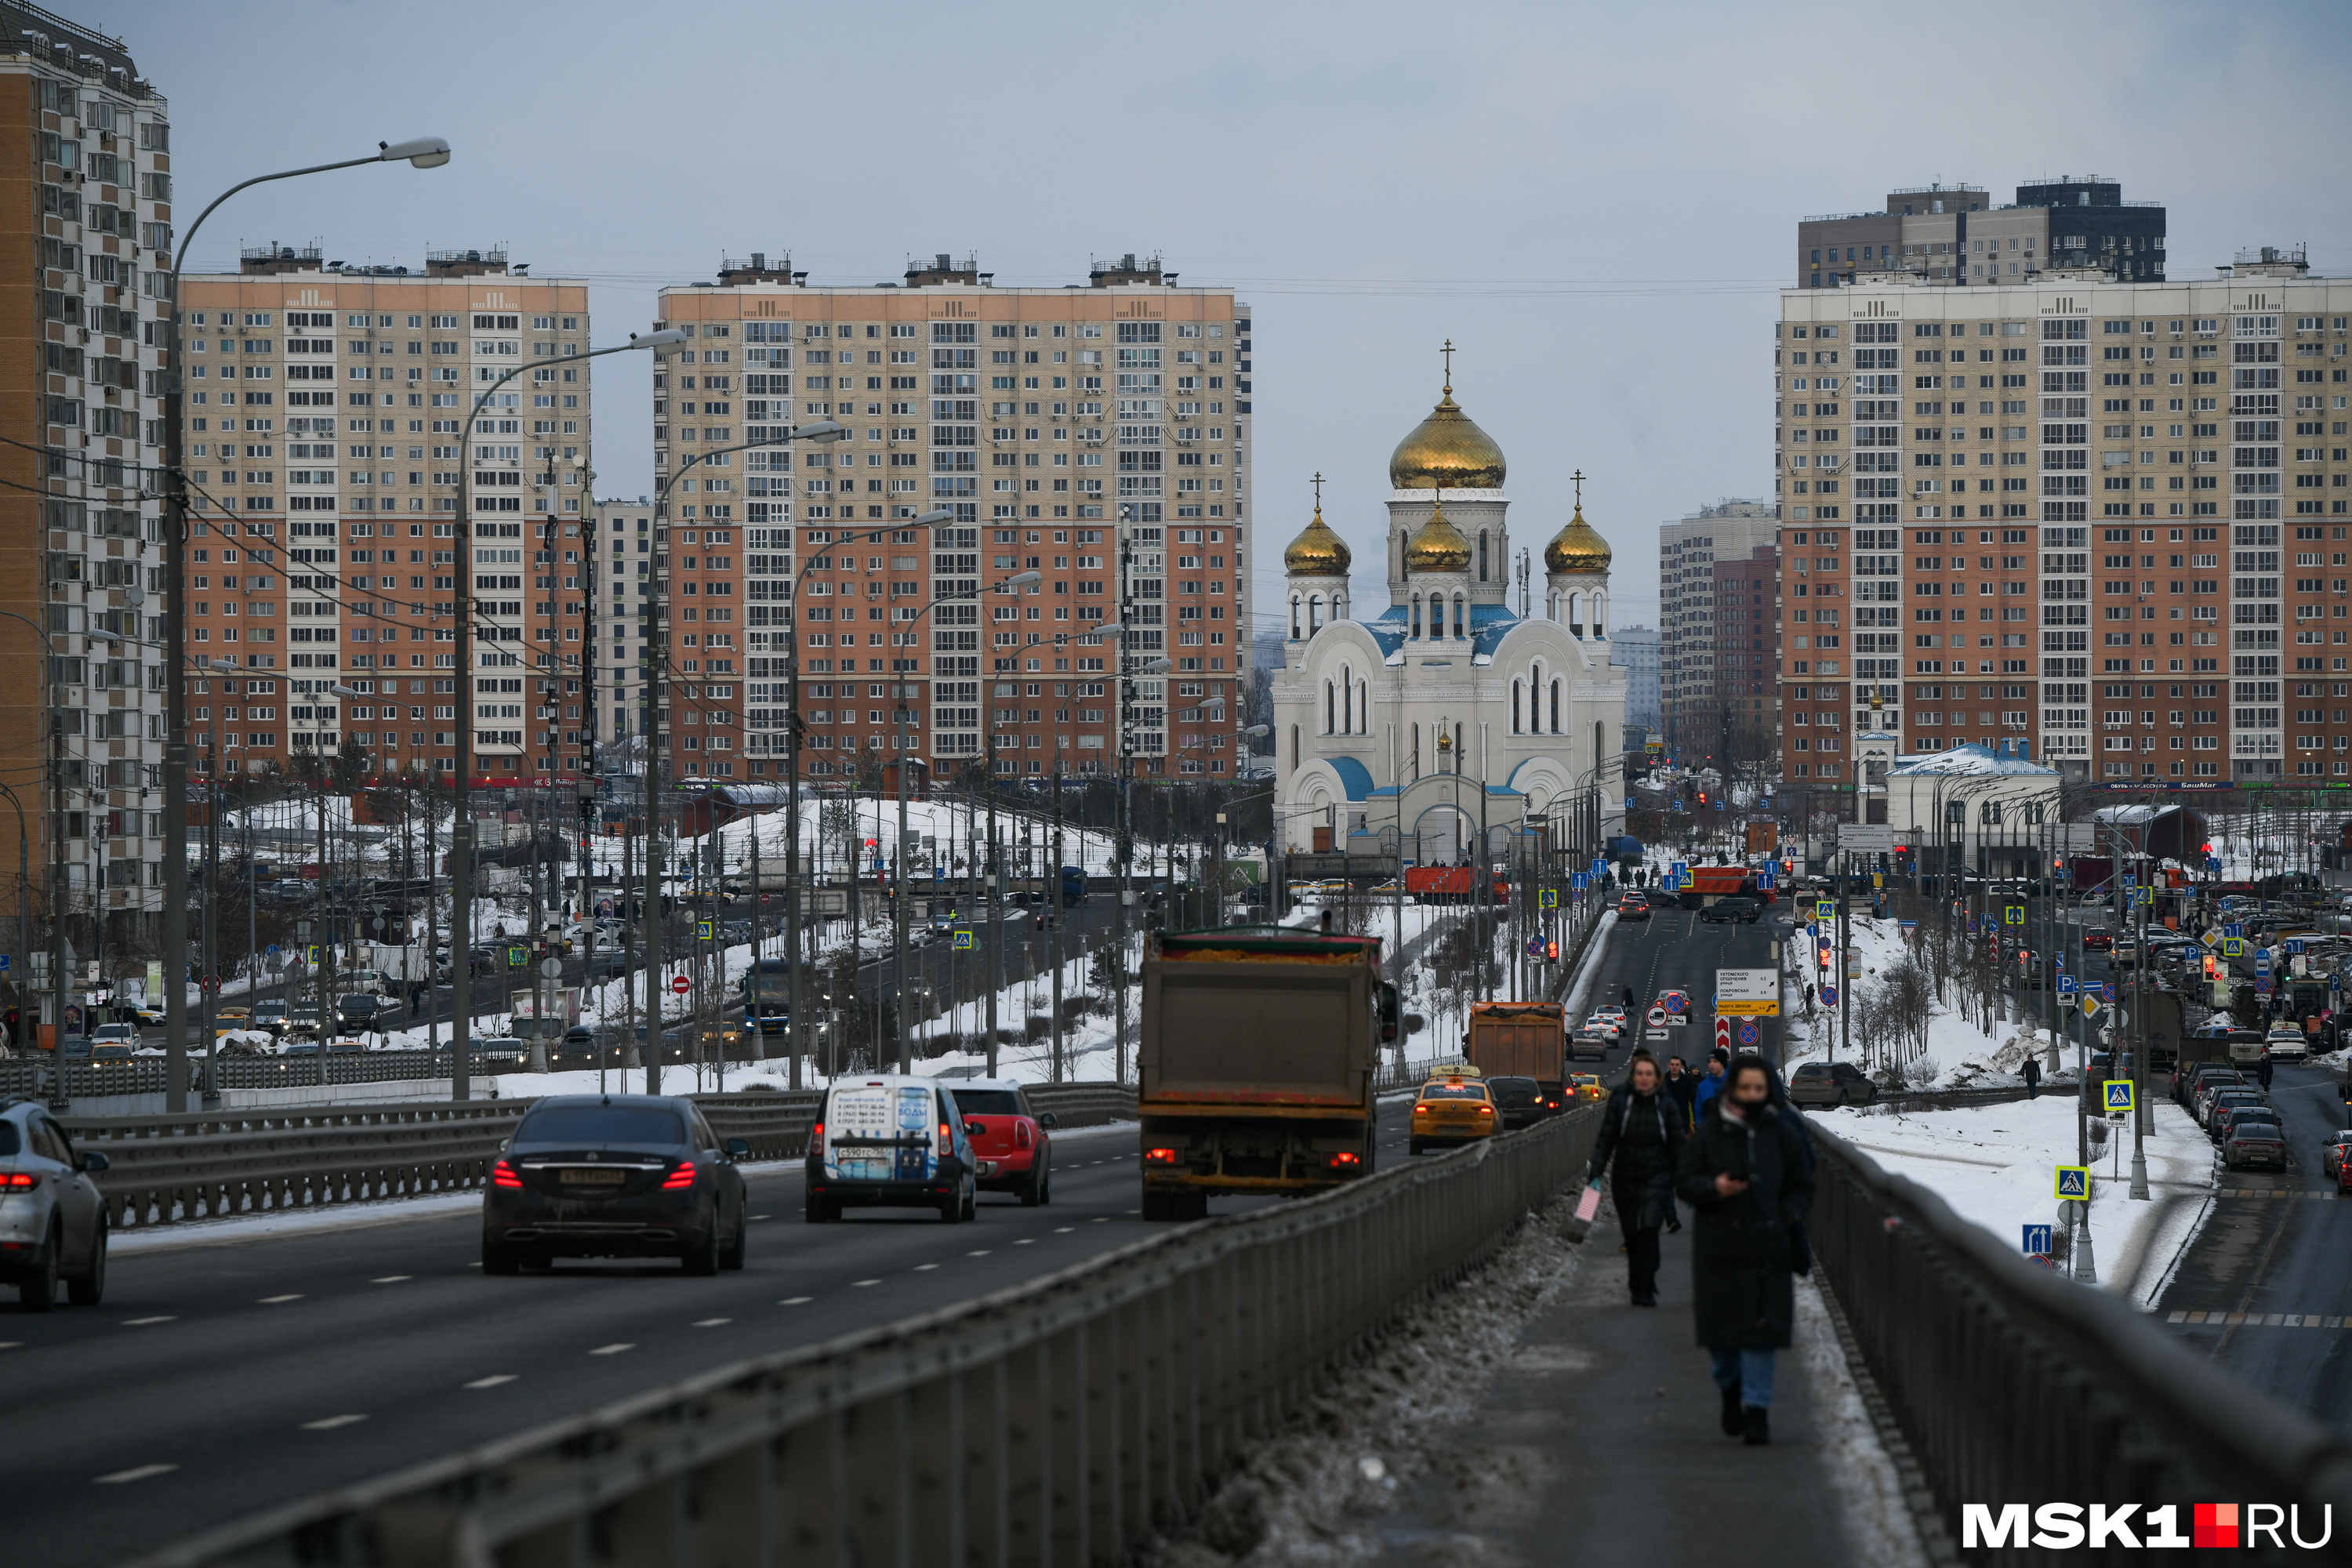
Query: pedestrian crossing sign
<point>2075,1184</point>
<point>1550,896</point>
<point>2119,1093</point>
<point>2234,947</point>
<point>1824,909</point>
<point>2013,914</point>
<point>964,942</point>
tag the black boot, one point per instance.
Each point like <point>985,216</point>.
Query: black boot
<point>1731,1423</point>
<point>1756,1425</point>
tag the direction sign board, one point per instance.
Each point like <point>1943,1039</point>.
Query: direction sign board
<point>1872,838</point>
<point>1747,992</point>
<point>1676,873</point>
<point>2118,1093</point>
<point>2293,946</point>
<point>2232,928</point>
<point>2075,1184</point>
<point>2037,1241</point>
<point>1908,925</point>
<point>2212,865</point>
<point>1766,879</point>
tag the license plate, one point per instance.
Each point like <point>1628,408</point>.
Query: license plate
<point>595,1178</point>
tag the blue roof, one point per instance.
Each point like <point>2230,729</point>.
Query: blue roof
<point>1354,777</point>
<point>1489,623</point>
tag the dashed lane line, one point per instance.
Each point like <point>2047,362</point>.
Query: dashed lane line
<point>713,1322</point>
<point>391,1280</point>
<point>1064,1229</point>
<point>924,1268</point>
<point>492,1381</point>
<point>143,1322</point>
<point>860,1284</point>
<point>982,1253</point>
<point>1026,1241</point>
<point>138,1473</point>
<point>795,1300</point>
<point>331,1422</point>
<point>276,1300</point>
<point>612,1350</point>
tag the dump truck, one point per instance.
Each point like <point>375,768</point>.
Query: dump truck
<point>1521,1039</point>
<point>1256,1065</point>
<point>1452,885</point>
<point>1708,883</point>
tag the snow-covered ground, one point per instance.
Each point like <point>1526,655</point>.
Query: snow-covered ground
<point>1996,1165</point>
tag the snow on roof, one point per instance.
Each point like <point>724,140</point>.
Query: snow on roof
<point>1969,757</point>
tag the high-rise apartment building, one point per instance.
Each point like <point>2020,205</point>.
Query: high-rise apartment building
<point>1635,648</point>
<point>1954,236</point>
<point>87,242</point>
<point>624,554</point>
<point>2110,519</point>
<point>1096,434</point>
<point>1688,553</point>
<point>326,408</point>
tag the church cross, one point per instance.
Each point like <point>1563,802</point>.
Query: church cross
<point>1319,494</point>
<point>1578,477</point>
<point>1448,351</point>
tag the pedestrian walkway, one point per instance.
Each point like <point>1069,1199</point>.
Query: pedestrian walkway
<point>1600,1444</point>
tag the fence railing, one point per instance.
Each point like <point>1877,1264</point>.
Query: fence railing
<point>2012,1385</point>
<point>208,1164</point>
<point>1060,1420</point>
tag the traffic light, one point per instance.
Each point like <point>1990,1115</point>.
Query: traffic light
<point>1827,958</point>
<point>1702,798</point>
<point>1551,950</point>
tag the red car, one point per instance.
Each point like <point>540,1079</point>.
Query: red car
<point>2095,941</point>
<point>1012,1143</point>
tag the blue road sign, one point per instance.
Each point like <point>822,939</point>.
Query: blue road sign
<point>2075,1183</point>
<point>1674,1004</point>
<point>1829,995</point>
<point>1749,1033</point>
<point>964,942</point>
<point>2066,985</point>
<point>2119,1093</point>
<point>1535,947</point>
<point>1551,895</point>
<point>2263,985</point>
<point>1676,872</point>
<point>1909,925</point>
<point>2213,865</point>
<point>3,963</point>
<point>2230,927</point>
<point>2293,945</point>
<point>2037,1241</point>
<point>1766,879</point>
<point>2107,995</point>
<point>2335,983</point>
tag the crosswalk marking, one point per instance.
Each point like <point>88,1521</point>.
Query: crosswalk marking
<point>2256,1319</point>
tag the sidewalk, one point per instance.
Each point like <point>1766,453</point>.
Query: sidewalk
<point>1600,1445</point>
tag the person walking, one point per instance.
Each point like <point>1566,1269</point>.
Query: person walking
<point>1711,1085</point>
<point>2262,1071</point>
<point>1640,1145</point>
<point>1746,1174</point>
<point>2032,1073</point>
<point>1682,1085</point>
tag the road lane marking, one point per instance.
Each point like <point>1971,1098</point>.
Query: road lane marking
<point>924,1268</point>
<point>1026,1241</point>
<point>612,1350</point>
<point>859,1284</point>
<point>274,1300</point>
<point>713,1322</point>
<point>1100,1219</point>
<point>795,1300</point>
<point>11,1345</point>
<point>982,1253</point>
<point>143,1322</point>
<point>391,1280</point>
<point>1064,1229</point>
<point>763,1216</point>
<point>331,1422</point>
<point>492,1381</point>
<point>140,1474</point>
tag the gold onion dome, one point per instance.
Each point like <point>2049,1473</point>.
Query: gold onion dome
<point>1317,552</point>
<point>1446,451</point>
<point>1437,546</point>
<point>1578,548</point>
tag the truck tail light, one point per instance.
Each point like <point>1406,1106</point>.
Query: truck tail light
<point>677,1180</point>
<point>502,1174</point>
<point>1347,1157</point>
<point>1160,1156</point>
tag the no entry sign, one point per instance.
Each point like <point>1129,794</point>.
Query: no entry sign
<point>681,986</point>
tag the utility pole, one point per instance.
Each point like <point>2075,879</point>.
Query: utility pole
<point>994,913</point>
<point>1061,907</point>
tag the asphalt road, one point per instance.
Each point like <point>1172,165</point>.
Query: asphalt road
<point>220,1380</point>
<point>1673,951</point>
<point>2275,1255</point>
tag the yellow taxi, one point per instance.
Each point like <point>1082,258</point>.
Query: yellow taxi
<point>1586,1086</point>
<point>1455,1109</point>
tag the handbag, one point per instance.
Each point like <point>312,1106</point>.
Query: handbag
<point>1588,1205</point>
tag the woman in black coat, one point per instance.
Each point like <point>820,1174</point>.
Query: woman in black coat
<point>1642,1128</point>
<point>1748,1173</point>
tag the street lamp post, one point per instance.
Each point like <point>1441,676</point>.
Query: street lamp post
<point>424,153</point>
<point>461,827</point>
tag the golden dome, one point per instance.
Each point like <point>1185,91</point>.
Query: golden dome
<point>1437,546</point>
<point>1317,552</point>
<point>1446,451</point>
<point>1578,548</point>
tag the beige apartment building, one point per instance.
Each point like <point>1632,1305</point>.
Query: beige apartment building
<point>87,242</point>
<point>2102,524</point>
<point>326,442</point>
<point>1696,697</point>
<point>1097,434</point>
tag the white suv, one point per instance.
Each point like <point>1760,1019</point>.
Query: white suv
<point>52,1218</point>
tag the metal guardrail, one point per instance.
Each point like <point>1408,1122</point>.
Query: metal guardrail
<point>209,1164</point>
<point>1061,1421</point>
<point>2013,1386</point>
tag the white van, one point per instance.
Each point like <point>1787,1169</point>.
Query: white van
<point>881,1140</point>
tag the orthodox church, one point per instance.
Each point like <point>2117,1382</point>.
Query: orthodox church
<point>1448,713</point>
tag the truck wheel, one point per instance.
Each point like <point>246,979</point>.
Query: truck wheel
<point>1191,1206</point>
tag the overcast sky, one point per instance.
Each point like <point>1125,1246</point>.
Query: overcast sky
<point>1597,204</point>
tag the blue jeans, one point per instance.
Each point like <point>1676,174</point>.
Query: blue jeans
<point>1750,1370</point>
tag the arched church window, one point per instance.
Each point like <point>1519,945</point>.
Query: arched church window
<point>1314,614</point>
<point>1460,618</point>
<point>1294,608</point>
<point>1515,706</point>
<point>1346,701</point>
<point>1598,630</point>
<point>1482,555</point>
<point>1327,708</point>
<point>1416,616</point>
<point>1576,614</point>
<point>1363,708</point>
<point>1555,706</point>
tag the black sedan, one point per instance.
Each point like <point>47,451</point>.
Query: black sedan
<point>615,1176</point>
<point>1521,1100</point>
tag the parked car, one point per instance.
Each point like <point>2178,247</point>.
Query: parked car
<point>52,1218</point>
<point>889,1140</point>
<point>2096,939</point>
<point>2229,1113</point>
<point>2255,1141</point>
<point>2332,1151</point>
<point>1830,1083</point>
<point>1736,907</point>
<point>616,1177</point>
<point>1011,1140</point>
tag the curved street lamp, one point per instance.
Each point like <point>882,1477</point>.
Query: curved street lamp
<point>422,153</point>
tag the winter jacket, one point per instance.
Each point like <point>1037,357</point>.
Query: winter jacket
<point>1742,1255</point>
<point>1710,1084</point>
<point>1684,1090</point>
<point>1643,1134</point>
